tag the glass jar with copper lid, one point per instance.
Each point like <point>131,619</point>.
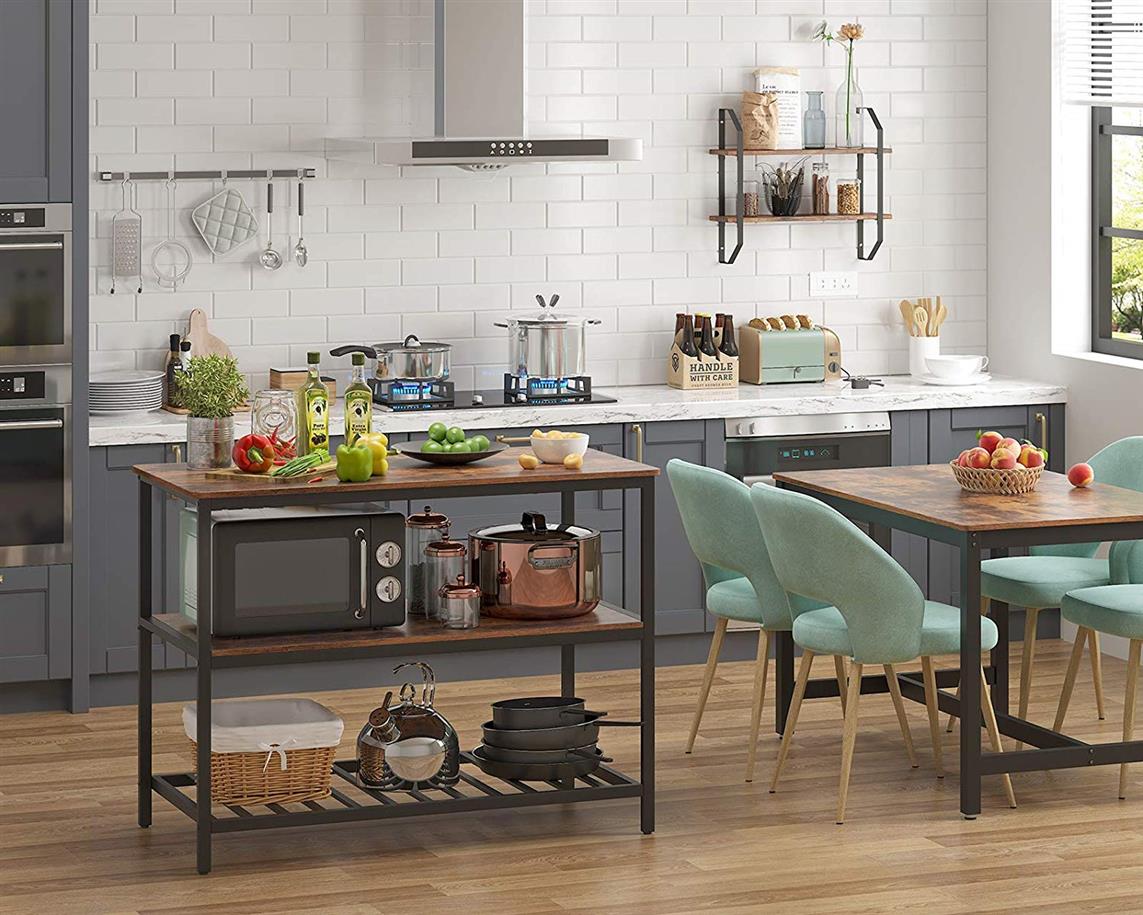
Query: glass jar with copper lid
<point>421,529</point>
<point>445,559</point>
<point>460,604</point>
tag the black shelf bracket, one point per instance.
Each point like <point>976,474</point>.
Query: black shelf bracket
<point>861,255</point>
<point>723,113</point>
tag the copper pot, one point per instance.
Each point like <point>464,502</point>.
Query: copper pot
<point>532,571</point>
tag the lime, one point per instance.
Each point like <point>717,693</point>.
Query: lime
<point>432,446</point>
<point>455,434</point>
<point>459,447</point>
<point>473,444</point>
<point>437,432</point>
<point>482,442</point>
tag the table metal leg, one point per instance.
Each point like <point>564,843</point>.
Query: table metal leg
<point>998,613</point>
<point>203,704</point>
<point>783,678</point>
<point>144,710</point>
<point>970,684</point>
<point>647,654</point>
<point>567,670</point>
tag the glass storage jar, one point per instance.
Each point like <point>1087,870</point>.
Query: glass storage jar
<point>275,415</point>
<point>751,195</point>
<point>445,559</point>
<point>421,529</point>
<point>814,122</point>
<point>819,194</point>
<point>848,192</point>
<point>460,605</point>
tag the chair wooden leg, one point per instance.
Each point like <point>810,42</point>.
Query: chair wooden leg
<point>792,715</point>
<point>1129,707</point>
<point>1027,655</point>
<point>899,706</point>
<point>849,737</point>
<point>839,672</point>
<point>708,678</point>
<point>760,668</point>
<point>1070,677</point>
<point>994,731</point>
<point>984,605</point>
<point>934,713</point>
<point>1096,671</point>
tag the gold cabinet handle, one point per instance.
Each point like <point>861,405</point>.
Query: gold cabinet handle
<point>638,430</point>
<point>177,450</point>
<point>1042,419</point>
<point>512,440</point>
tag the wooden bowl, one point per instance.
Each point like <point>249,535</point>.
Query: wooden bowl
<point>1015,482</point>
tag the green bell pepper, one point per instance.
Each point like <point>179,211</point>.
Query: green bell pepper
<point>354,463</point>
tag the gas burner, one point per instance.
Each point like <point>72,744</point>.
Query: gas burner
<point>576,389</point>
<point>402,394</point>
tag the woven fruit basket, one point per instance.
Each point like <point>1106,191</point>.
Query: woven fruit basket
<point>1015,482</point>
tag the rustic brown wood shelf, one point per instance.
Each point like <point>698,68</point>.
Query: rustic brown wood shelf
<point>807,217</point>
<point>827,151</point>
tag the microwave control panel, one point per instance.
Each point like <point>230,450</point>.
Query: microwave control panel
<point>22,385</point>
<point>31,218</point>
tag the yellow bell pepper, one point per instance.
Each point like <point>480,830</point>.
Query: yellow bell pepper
<point>378,444</point>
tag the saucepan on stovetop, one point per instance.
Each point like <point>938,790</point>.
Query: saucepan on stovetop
<point>546,345</point>
<point>535,572</point>
<point>412,359</point>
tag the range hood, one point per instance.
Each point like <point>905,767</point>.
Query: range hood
<point>479,75</point>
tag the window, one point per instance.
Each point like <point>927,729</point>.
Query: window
<point>1117,231</point>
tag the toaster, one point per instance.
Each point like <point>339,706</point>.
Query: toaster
<point>804,352</point>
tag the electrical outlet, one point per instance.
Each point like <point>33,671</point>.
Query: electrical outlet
<point>824,284</point>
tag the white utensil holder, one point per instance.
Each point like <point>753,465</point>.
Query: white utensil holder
<point>920,349</point>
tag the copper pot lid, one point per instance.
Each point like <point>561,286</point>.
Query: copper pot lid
<point>459,591</point>
<point>533,528</point>
<point>446,546</point>
<point>427,518</point>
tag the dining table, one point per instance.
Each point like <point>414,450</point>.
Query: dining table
<point>926,500</point>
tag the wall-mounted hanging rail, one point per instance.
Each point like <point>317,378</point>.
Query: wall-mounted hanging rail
<point>216,175</point>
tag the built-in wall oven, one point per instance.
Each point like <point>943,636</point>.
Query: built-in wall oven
<point>35,465</point>
<point>35,284</point>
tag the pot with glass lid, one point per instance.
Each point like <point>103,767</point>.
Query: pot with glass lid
<point>410,360</point>
<point>546,345</point>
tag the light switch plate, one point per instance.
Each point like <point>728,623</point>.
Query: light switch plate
<point>824,284</point>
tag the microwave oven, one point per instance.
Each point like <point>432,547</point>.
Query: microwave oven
<point>295,570</point>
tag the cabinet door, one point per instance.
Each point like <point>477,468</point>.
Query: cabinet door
<point>35,106</point>
<point>909,444</point>
<point>35,619</point>
<point>680,592</point>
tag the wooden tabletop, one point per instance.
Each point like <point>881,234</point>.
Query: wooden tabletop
<point>931,493</point>
<point>404,473</point>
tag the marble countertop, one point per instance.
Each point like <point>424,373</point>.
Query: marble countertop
<point>645,403</point>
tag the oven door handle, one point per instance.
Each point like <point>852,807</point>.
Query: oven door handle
<point>13,425</point>
<point>31,245</point>
<point>364,569</point>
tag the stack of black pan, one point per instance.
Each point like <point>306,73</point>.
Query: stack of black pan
<point>543,738</point>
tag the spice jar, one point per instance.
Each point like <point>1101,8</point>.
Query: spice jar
<point>751,196</point>
<point>421,529</point>
<point>460,605</point>
<point>848,196</point>
<point>444,561</point>
<point>820,189</point>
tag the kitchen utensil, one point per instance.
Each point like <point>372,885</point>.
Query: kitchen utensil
<point>203,342</point>
<point>411,360</point>
<point>922,318</point>
<point>939,318</point>
<point>445,560</point>
<point>554,450</point>
<point>171,260</point>
<point>544,757</point>
<point>534,712</point>
<point>460,604</point>
<point>956,366</point>
<point>965,382</point>
<point>531,571</point>
<point>421,529</point>
<point>564,736</point>
<point>783,186</point>
<point>546,346</point>
<point>270,259</point>
<point>225,220</point>
<point>127,240</point>
<point>907,309</point>
<point>413,450</point>
<point>536,772</point>
<point>301,255</point>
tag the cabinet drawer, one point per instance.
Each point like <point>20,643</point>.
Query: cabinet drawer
<point>29,578</point>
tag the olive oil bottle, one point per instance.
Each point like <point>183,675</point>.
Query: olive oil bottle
<point>313,410</point>
<point>358,402</point>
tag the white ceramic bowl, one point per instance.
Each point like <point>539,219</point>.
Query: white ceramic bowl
<point>956,366</point>
<point>554,450</point>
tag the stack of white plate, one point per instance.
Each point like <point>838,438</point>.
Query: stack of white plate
<point>126,392</point>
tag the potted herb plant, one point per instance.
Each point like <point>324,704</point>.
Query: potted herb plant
<point>211,388</point>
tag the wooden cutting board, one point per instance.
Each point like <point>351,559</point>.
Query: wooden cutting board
<point>233,473</point>
<point>203,342</point>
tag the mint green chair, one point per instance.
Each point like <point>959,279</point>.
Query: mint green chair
<point>878,616</point>
<point>1117,609</point>
<point>722,530</point>
<point>1042,578</point>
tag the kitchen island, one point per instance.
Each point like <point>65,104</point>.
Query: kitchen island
<point>499,475</point>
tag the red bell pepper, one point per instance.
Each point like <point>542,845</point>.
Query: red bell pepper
<point>254,453</point>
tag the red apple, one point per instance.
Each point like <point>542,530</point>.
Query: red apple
<point>1081,475</point>
<point>1011,444</point>
<point>1030,457</point>
<point>978,457</point>
<point>1003,459</point>
<point>989,440</point>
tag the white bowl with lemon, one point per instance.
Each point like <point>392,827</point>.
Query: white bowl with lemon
<point>553,446</point>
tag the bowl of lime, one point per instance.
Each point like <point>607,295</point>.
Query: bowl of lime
<point>450,445</point>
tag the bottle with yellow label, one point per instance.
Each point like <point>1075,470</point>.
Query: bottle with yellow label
<point>313,410</point>
<point>358,402</point>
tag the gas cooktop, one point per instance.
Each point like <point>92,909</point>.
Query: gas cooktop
<point>419,397</point>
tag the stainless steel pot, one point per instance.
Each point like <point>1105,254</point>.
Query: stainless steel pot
<point>411,359</point>
<point>532,571</point>
<point>544,346</point>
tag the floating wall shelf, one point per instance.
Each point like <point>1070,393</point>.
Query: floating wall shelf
<point>739,153</point>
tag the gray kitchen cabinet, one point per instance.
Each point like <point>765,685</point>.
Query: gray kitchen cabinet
<point>680,591</point>
<point>35,619</point>
<point>36,103</point>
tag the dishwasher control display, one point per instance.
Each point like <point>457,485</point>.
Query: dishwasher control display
<point>800,455</point>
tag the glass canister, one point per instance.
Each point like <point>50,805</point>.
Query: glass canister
<point>421,529</point>
<point>820,188</point>
<point>751,195</point>
<point>848,196</point>
<point>460,605</point>
<point>814,122</point>
<point>445,559</point>
<point>275,415</point>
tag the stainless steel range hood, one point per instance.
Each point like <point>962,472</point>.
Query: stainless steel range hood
<point>479,86</point>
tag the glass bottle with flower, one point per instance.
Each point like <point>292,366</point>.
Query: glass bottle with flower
<point>849,98</point>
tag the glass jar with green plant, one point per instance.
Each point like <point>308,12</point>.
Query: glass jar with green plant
<point>211,389</point>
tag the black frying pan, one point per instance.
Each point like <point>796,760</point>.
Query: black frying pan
<point>536,772</point>
<point>565,737</point>
<point>540,712</point>
<point>531,757</point>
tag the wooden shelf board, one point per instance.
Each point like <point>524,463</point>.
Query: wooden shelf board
<point>805,217</point>
<point>828,151</point>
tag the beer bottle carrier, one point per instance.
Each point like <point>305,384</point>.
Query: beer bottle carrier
<point>692,373</point>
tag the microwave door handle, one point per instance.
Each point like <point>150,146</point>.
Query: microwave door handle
<point>364,569</point>
<point>31,246</point>
<point>15,425</point>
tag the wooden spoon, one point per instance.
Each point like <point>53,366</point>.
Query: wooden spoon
<point>922,318</point>
<point>907,314</point>
<point>939,318</point>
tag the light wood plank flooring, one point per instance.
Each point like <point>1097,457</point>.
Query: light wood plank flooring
<point>69,843</point>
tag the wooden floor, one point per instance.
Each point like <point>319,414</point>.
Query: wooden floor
<point>69,843</point>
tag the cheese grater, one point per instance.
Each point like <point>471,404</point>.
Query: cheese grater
<point>127,243</point>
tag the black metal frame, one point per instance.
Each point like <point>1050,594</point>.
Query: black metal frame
<point>1103,231</point>
<point>723,113</point>
<point>604,784</point>
<point>1048,749</point>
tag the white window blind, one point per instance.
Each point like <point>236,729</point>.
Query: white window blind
<point>1101,47</point>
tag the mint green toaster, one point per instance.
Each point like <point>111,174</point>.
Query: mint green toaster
<point>791,355</point>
